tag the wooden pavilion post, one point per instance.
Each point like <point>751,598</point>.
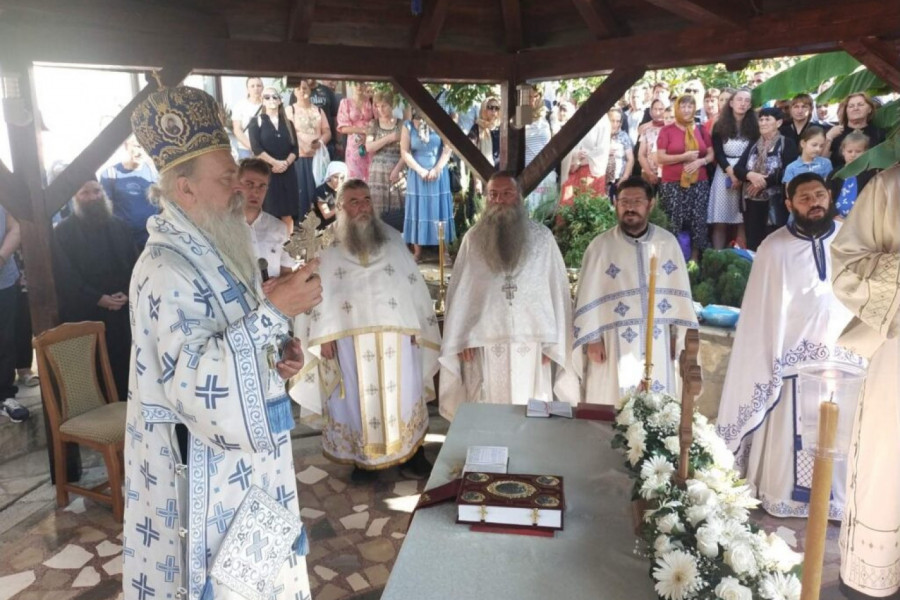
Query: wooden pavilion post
<point>512,138</point>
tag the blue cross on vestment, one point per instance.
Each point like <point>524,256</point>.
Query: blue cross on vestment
<point>213,462</point>
<point>168,368</point>
<point>224,444</point>
<point>276,452</point>
<point>138,365</point>
<point>149,478</point>
<point>203,296</point>
<point>154,307</point>
<point>130,493</point>
<point>146,530</point>
<point>209,392</point>
<point>221,517</point>
<point>241,475</point>
<point>179,407</point>
<point>184,324</point>
<point>283,495</point>
<point>256,548</point>
<point>136,436</point>
<point>169,568</point>
<point>143,588</point>
<point>235,290</point>
<point>169,513</point>
<point>193,356</point>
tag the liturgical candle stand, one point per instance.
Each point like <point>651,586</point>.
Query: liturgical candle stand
<point>838,384</point>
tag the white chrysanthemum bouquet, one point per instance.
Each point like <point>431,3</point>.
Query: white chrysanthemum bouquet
<point>699,537</point>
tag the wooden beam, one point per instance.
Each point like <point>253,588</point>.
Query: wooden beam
<point>879,57</point>
<point>512,139</point>
<point>600,19</point>
<point>14,195</point>
<point>300,20</point>
<point>512,24</point>
<point>85,165</point>
<point>95,46</point>
<point>707,12</point>
<point>431,24</point>
<point>578,125</point>
<point>432,112</point>
<point>785,34</point>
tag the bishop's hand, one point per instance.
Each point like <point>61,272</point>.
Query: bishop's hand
<point>467,355</point>
<point>291,359</point>
<point>329,349</point>
<point>597,352</point>
<point>296,292</point>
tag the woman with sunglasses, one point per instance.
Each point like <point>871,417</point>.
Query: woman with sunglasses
<point>485,133</point>
<point>272,139</point>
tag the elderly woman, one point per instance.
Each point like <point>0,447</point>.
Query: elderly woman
<point>353,118</point>
<point>428,196</point>
<point>621,152</point>
<point>272,139</point>
<point>485,132</point>
<point>683,150</point>
<point>854,114</point>
<point>585,167</point>
<point>313,132</point>
<point>386,167</point>
<point>735,129</point>
<point>761,168</point>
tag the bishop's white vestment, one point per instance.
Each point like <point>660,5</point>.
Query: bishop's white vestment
<point>201,337</point>
<point>866,257</point>
<point>378,311</point>
<point>512,320</point>
<point>612,306</point>
<point>789,316</point>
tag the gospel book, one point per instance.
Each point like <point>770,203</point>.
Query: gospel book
<point>518,500</point>
<point>542,408</point>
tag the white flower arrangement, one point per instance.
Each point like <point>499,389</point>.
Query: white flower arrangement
<point>699,538</point>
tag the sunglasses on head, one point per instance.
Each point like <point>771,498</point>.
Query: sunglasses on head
<point>269,97</point>
<point>691,90</point>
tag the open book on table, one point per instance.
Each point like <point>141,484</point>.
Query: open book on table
<point>486,459</point>
<point>542,408</point>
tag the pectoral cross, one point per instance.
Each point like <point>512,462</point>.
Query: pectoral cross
<point>535,515</point>
<point>510,288</point>
<point>482,510</point>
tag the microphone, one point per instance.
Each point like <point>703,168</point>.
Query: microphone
<point>263,269</point>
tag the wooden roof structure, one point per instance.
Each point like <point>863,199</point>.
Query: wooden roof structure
<point>503,41</point>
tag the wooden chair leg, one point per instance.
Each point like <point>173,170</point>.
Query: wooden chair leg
<point>114,473</point>
<point>59,467</point>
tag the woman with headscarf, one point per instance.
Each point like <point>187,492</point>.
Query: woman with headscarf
<point>854,114</point>
<point>761,168</point>
<point>485,133</point>
<point>273,140</point>
<point>584,168</point>
<point>326,194</point>
<point>683,151</point>
<point>386,166</point>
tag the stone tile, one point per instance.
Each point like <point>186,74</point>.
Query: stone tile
<point>787,535</point>
<point>89,535</point>
<point>11,585</point>
<point>311,475</point>
<point>360,507</point>
<point>370,595</point>
<point>337,485</point>
<point>107,548</point>
<point>321,530</point>
<point>406,488</point>
<point>331,592</point>
<point>24,558</point>
<point>357,582</point>
<point>378,550</point>
<point>398,536</point>
<point>346,563</point>
<point>377,526</point>
<point>76,506</point>
<point>377,575</point>
<point>355,521</point>
<point>324,572</point>
<point>70,557</point>
<point>46,595</point>
<point>88,577</point>
<point>311,513</point>
<point>56,580</point>
<point>114,566</point>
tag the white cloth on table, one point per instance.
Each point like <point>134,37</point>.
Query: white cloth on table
<point>725,202</point>
<point>512,320</point>
<point>789,316</point>
<point>612,307</point>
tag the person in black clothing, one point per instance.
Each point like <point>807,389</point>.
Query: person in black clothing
<point>800,118</point>
<point>93,256</point>
<point>326,194</point>
<point>855,114</point>
<point>761,166</point>
<point>273,139</point>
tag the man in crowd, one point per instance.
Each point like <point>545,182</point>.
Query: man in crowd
<point>789,316</point>
<point>126,185</point>
<point>509,311</point>
<point>372,345</point>
<point>93,255</point>
<point>323,97</point>
<point>611,310</point>
<point>267,234</point>
<point>208,419</point>
<point>866,255</point>
<point>10,238</point>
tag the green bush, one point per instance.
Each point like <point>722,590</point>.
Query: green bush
<point>721,278</point>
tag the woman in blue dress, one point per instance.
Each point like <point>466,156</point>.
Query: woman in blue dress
<point>428,196</point>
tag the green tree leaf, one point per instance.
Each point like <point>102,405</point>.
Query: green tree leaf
<point>884,155</point>
<point>805,76</point>
<point>860,81</point>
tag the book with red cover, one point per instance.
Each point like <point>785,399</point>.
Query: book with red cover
<point>512,500</point>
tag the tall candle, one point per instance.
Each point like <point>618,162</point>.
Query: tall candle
<point>651,303</point>
<point>440,227</point>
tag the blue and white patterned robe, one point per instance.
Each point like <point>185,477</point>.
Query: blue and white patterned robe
<point>198,359</point>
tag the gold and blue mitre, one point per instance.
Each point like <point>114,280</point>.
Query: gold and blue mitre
<point>177,124</point>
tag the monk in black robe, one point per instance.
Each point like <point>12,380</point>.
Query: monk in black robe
<point>93,255</point>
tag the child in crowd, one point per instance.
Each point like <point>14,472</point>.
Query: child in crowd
<point>326,194</point>
<point>812,142</point>
<point>669,116</point>
<point>845,191</point>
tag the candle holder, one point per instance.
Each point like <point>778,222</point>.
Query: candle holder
<point>442,288</point>
<point>829,392</point>
<point>573,281</point>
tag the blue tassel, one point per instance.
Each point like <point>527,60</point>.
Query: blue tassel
<point>207,593</point>
<point>416,7</point>
<point>301,544</point>
<point>279,414</point>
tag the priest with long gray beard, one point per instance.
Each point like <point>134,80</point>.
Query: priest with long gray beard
<point>508,329</point>
<point>371,348</point>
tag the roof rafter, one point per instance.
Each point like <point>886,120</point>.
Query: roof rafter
<point>878,56</point>
<point>431,24</point>
<point>300,20</point>
<point>602,22</point>
<point>707,12</point>
<point>512,24</point>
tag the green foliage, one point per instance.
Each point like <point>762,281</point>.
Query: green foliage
<point>580,223</point>
<point>863,80</point>
<point>884,155</point>
<point>805,76</point>
<point>722,278</point>
<point>693,270</point>
<point>463,95</point>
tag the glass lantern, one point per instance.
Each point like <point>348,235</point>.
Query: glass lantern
<point>828,381</point>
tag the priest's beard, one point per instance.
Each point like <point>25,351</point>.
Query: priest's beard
<point>94,213</point>
<point>501,235</point>
<point>362,235</point>
<point>230,235</point>
<point>818,225</point>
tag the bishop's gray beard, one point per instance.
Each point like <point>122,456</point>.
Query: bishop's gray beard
<point>360,236</point>
<point>500,236</point>
<point>230,235</point>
